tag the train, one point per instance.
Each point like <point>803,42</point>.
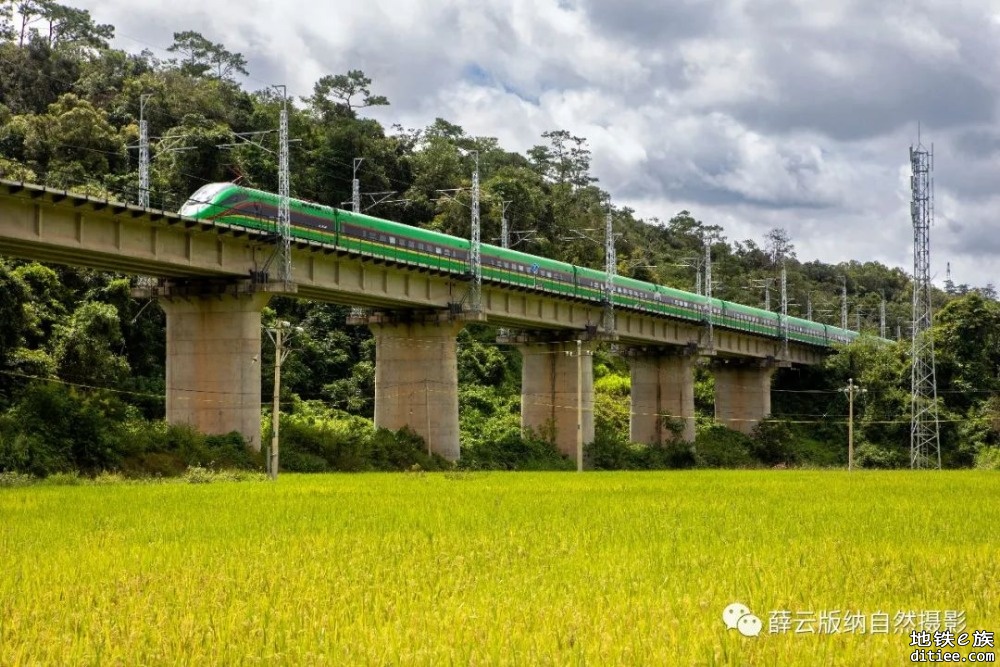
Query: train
<point>407,245</point>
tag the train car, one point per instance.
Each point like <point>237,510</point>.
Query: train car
<point>649,297</point>
<point>519,269</point>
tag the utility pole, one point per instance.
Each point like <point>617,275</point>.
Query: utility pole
<point>475,254</point>
<point>784,308</point>
<point>504,229</point>
<point>881,317</point>
<point>276,334</point>
<point>579,406</point>
<point>843,304</point>
<point>708,293</point>
<point>143,152</point>
<point>809,305</point>
<point>356,187</point>
<point>284,203</point>
<point>851,389</point>
<point>610,268</point>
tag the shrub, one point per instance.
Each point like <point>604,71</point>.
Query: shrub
<point>721,447</point>
<point>869,455</point>
<point>513,451</point>
<point>988,458</point>
<point>10,479</point>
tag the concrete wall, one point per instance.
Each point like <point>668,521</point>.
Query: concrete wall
<point>416,380</point>
<point>549,392</point>
<point>742,393</point>
<point>662,388</point>
<point>213,363</point>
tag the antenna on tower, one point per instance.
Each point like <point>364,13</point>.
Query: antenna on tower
<point>925,441</point>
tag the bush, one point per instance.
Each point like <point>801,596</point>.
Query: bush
<point>721,447</point>
<point>11,479</point>
<point>988,458</point>
<point>869,455</point>
<point>513,451</point>
<point>316,439</point>
<point>771,442</point>
<point>611,454</point>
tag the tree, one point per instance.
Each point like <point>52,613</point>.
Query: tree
<point>565,160</point>
<point>778,245</point>
<point>335,95</point>
<point>13,318</point>
<point>84,347</point>
<point>7,20</point>
<point>66,25</point>
<point>202,57</point>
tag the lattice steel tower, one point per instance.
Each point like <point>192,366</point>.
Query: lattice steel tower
<point>925,442</point>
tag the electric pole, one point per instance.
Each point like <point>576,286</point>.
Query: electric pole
<point>475,254</point>
<point>784,308</point>
<point>143,152</point>
<point>851,389</point>
<point>504,229</point>
<point>708,293</point>
<point>881,317</point>
<point>356,187</point>
<point>579,406</point>
<point>284,203</point>
<point>610,268</point>
<point>843,304</point>
<point>276,334</point>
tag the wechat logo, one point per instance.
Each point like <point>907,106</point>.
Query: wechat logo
<point>738,616</point>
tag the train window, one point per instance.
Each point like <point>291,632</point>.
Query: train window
<point>392,240</point>
<point>383,238</point>
<point>437,250</point>
<point>420,246</point>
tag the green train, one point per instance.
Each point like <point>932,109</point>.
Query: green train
<point>392,241</point>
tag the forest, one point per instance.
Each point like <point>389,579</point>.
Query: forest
<point>82,363</point>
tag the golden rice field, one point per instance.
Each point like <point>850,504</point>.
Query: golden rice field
<point>495,568</point>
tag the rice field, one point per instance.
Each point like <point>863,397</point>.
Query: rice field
<point>498,568</point>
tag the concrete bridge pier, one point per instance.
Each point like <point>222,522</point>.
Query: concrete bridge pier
<point>549,396</point>
<point>416,374</point>
<point>662,392</point>
<point>742,392</point>
<point>213,357</point>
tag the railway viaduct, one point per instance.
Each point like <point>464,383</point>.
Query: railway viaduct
<point>213,310</point>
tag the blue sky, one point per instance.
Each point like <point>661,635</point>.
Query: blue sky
<point>752,114</point>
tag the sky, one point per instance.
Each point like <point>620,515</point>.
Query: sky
<point>750,114</point>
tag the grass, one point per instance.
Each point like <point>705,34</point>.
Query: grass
<point>489,568</point>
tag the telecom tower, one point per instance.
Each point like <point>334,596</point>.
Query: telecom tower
<point>925,443</point>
